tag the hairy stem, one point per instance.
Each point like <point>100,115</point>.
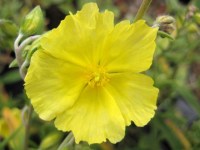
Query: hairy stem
<point>143,8</point>
<point>28,40</point>
<point>18,48</point>
<point>68,141</point>
<point>26,122</point>
<point>23,69</point>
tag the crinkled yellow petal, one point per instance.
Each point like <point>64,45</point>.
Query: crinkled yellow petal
<point>86,75</point>
<point>53,85</point>
<point>79,38</point>
<point>135,96</point>
<point>129,47</point>
<point>94,117</point>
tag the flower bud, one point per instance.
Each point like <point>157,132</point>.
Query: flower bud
<point>165,20</point>
<point>197,18</point>
<point>191,11</point>
<point>193,28</point>
<point>50,141</point>
<point>168,28</point>
<point>8,27</point>
<point>33,22</point>
<point>165,23</point>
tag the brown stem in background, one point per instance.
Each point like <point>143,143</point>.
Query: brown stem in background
<point>27,126</point>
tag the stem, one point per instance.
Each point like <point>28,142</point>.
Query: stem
<point>18,49</point>
<point>27,125</point>
<point>23,69</point>
<point>28,40</point>
<point>23,65</point>
<point>68,141</point>
<point>18,39</point>
<point>143,8</point>
<point>4,143</point>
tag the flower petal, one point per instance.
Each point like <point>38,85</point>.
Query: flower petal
<point>135,96</point>
<point>53,85</point>
<point>129,47</point>
<point>93,118</point>
<point>78,39</point>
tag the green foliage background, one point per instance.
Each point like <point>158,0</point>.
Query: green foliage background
<point>176,70</point>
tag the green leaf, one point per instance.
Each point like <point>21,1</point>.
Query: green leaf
<point>188,96</point>
<point>11,137</point>
<point>168,134</point>
<point>13,64</point>
<point>10,77</point>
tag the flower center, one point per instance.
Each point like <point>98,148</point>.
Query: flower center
<point>98,77</point>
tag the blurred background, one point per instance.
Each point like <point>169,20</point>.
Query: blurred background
<point>176,71</point>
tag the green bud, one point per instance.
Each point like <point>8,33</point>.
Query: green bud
<point>50,141</point>
<point>33,22</point>
<point>165,20</point>
<point>193,28</point>
<point>8,27</point>
<point>197,18</point>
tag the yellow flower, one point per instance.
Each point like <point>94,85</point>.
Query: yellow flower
<point>10,121</point>
<point>87,75</point>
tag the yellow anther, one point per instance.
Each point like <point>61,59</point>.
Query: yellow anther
<point>98,77</point>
